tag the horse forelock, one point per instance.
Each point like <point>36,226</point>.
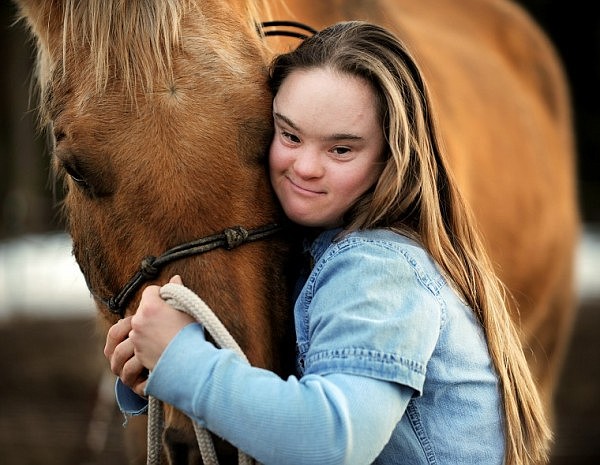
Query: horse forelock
<point>134,41</point>
<point>134,38</point>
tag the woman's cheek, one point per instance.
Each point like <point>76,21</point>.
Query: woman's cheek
<point>278,160</point>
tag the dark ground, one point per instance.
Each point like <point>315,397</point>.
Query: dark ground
<point>51,372</point>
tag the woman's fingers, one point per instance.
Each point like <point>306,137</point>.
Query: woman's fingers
<point>117,333</point>
<point>134,375</point>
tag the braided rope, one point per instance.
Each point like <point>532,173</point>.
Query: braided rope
<point>155,428</point>
<point>185,300</point>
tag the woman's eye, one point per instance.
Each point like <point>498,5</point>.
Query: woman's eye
<point>341,150</point>
<point>290,137</point>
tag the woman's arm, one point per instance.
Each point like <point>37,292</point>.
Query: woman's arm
<point>337,418</point>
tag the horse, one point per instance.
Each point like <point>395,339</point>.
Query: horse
<point>160,117</point>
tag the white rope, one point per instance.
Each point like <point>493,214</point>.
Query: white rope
<point>185,300</point>
<point>155,428</point>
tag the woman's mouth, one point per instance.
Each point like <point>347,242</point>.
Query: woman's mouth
<point>305,190</point>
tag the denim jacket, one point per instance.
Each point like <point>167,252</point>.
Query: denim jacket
<point>393,368</point>
<point>376,305</point>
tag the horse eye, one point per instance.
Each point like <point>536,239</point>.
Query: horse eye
<point>59,136</point>
<point>76,176</point>
<point>93,178</point>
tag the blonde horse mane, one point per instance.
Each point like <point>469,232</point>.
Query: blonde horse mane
<point>137,38</point>
<point>140,36</point>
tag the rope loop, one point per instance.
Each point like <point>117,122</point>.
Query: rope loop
<point>235,236</point>
<point>147,268</point>
<point>185,300</point>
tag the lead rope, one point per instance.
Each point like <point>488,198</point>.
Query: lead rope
<point>185,300</point>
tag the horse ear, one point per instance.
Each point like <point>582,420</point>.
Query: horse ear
<point>45,21</point>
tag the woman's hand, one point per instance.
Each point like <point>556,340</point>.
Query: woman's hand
<point>134,344</point>
<point>154,325</point>
<point>119,351</point>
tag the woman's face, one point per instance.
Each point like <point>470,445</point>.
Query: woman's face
<point>328,145</point>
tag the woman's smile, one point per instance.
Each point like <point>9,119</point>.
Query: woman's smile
<point>304,190</point>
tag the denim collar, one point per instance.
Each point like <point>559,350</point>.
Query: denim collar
<point>321,243</point>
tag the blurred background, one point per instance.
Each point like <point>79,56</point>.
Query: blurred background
<point>56,401</point>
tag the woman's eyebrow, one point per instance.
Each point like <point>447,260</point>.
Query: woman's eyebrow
<point>332,137</point>
<point>343,136</point>
<point>286,120</point>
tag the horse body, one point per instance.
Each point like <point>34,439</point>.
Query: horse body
<point>162,118</point>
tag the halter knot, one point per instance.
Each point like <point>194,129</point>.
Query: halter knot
<point>147,268</point>
<point>113,305</point>
<point>235,236</point>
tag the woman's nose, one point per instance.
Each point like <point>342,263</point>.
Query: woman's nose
<point>308,163</point>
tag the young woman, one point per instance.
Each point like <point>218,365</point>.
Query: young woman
<point>406,352</point>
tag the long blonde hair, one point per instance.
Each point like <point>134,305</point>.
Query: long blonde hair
<point>417,196</point>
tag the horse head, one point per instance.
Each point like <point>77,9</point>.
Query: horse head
<point>160,117</point>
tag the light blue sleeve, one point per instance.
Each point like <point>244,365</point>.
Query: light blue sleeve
<point>332,419</point>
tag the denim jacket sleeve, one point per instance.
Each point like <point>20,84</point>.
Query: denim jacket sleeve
<point>128,401</point>
<point>370,309</point>
<point>312,420</point>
